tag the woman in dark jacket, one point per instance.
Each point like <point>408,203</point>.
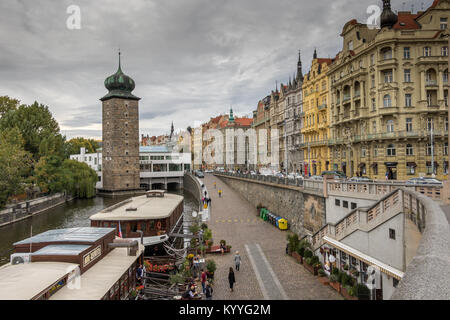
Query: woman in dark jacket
<point>231,278</point>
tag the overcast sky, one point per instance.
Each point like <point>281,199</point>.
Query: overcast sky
<point>190,59</point>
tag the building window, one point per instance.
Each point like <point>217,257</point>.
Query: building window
<point>430,125</point>
<point>392,234</point>
<point>337,202</point>
<point>374,105</point>
<point>409,124</point>
<point>410,169</point>
<point>390,150</point>
<point>407,73</point>
<point>406,53</point>
<point>387,102</point>
<point>446,149</point>
<point>430,168</point>
<point>409,150</point>
<point>345,204</point>
<point>363,152</point>
<point>429,149</point>
<point>444,51</point>
<point>445,76</point>
<point>388,76</point>
<point>372,78</point>
<point>387,53</point>
<point>408,100</point>
<point>390,126</point>
<point>443,24</point>
<point>374,127</point>
<point>427,51</point>
<point>372,59</point>
<point>446,98</point>
<point>350,45</point>
<point>353,205</point>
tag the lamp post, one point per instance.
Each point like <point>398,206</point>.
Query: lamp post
<point>446,198</point>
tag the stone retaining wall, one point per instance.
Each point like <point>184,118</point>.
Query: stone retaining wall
<point>304,210</point>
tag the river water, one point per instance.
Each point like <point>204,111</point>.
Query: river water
<point>75,213</point>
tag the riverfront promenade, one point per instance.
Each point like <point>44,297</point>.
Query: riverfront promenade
<point>266,271</point>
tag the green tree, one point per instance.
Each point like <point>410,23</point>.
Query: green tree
<point>36,125</point>
<point>7,104</point>
<point>79,179</point>
<point>14,164</point>
<point>49,174</point>
<point>73,146</point>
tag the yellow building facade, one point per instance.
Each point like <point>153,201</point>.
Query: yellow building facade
<point>316,117</point>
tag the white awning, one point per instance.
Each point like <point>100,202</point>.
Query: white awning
<point>393,272</point>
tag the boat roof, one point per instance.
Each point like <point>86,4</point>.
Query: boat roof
<point>83,234</point>
<point>25,281</point>
<point>101,277</point>
<point>61,250</point>
<point>142,208</point>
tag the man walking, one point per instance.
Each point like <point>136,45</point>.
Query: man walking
<point>209,291</point>
<point>220,193</point>
<point>237,260</point>
<point>231,279</point>
<point>203,281</point>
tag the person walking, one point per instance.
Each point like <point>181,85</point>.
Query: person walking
<point>220,193</point>
<point>231,278</point>
<point>237,260</point>
<point>209,291</point>
<point>215,185</point>
<point>203,277</point>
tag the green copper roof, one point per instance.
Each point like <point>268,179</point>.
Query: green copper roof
<point>119,85</point>
<point>231,119</point>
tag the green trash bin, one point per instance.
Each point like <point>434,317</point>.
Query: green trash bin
<point>266,216</point>
<point>262,213</point>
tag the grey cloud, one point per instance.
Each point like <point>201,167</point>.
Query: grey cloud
<point>190,59</point>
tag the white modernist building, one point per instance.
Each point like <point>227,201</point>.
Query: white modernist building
<point>160,167</point>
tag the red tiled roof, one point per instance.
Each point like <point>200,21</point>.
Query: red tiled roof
<point>407,20</point>
<point>323,60</point>
<point>245,122</point>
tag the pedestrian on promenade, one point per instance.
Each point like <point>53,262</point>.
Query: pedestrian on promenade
<point>231,278</point>
<point>237,260</point>
<point>203,281</point>
<point>220,193</point>
<point>209,291</point>
<point>215,185</point>
<point>206,193</point>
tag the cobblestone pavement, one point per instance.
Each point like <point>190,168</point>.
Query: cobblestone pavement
<point>235,220</point>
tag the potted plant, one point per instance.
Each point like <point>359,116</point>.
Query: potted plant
<point>322,277</point>
<point>334,283</point>
<point>211,268</point>
<point>301,253</point>
<point>311,263</point>
<point>133,295</point>
<point>362,292</point>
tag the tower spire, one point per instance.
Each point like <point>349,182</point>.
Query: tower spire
<point>315,54</point>
<point>299,67</point>
<point>120,67</point>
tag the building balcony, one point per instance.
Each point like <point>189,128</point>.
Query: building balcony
<point>432,59</point>
<point>431,83</point>
<point>386,111</point>
<point>387,63</point>
<point>357,95</point>
<point>322,106</point>
<point>347,97</point>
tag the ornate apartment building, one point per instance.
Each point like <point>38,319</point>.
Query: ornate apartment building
<point>389,92</point>
<point>261,121</point>
<point>120,156</point>
<point>293,109</point>
<point>315,117</point>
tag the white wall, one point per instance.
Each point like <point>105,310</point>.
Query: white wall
<point>336,213</point>
<point>377,244</point>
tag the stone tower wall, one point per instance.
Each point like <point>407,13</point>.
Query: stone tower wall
<point>120,145</point>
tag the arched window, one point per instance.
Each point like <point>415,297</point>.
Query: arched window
<point>387,102</point>
<point>390,150</point>
<point>409,150</point>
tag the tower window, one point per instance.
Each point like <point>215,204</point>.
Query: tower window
<point>392,234</point>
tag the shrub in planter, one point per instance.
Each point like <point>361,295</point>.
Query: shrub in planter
<point>301,251</point>
<point>204,226</point>
<point>321,273</point>
<point>308,253</point>
<point>362,292</point>
<point>335,271</point>
<point>314,260</point>
<point>211,266</point>
<point>308,261</point>
<point>334,278</point>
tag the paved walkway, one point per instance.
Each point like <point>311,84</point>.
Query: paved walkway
<point>266,271</point>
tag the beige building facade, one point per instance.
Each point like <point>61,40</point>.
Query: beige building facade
<point>389,96</point>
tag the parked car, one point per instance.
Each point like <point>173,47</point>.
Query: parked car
<point>199,174</point>
<point>360,179</point>
<point>423,180</point>
<point>336,174</point>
